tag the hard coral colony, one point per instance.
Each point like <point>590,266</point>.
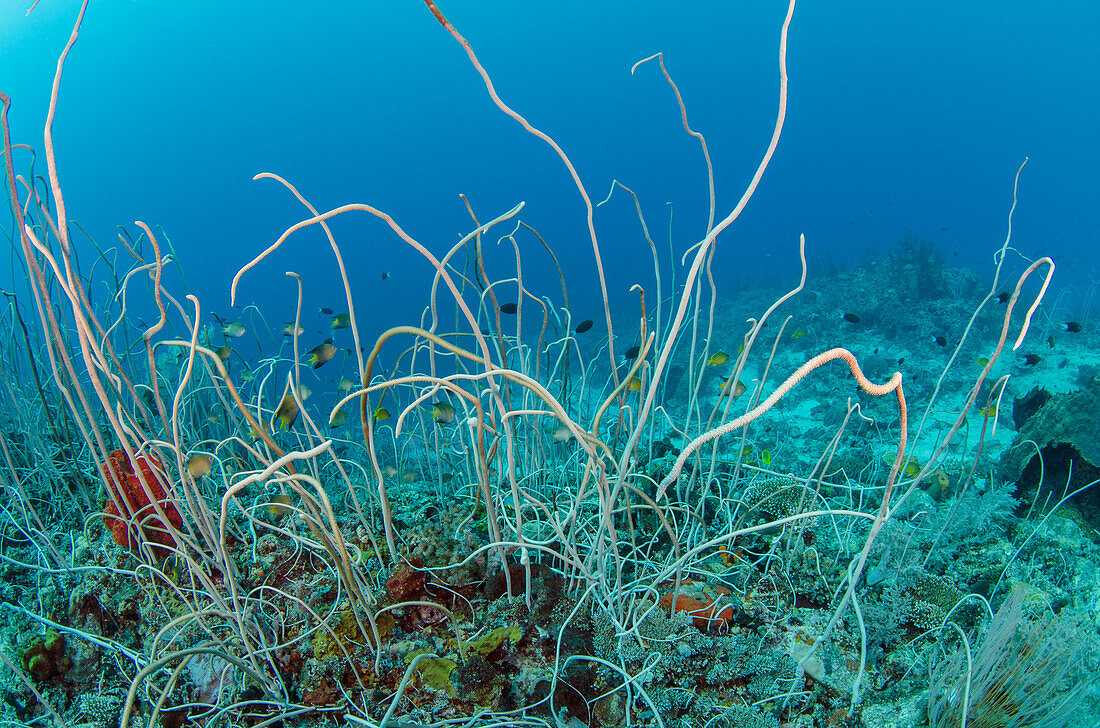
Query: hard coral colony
<point>532,524</point>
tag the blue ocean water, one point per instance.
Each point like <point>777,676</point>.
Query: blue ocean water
<point>905,128</point>
<point>901,119</point>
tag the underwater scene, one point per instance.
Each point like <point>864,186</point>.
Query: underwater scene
<point>429,364</point>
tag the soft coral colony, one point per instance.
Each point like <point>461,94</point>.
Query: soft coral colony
<point>527,527</point>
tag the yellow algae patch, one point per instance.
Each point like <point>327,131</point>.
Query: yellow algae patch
<point>346,632</point>
<point>434,673</point>
<point>489,643</point>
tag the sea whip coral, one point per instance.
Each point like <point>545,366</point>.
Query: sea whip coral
<point>143,523</point>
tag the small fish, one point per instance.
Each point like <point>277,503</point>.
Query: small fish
<point>199,464</point>
<point>381,414</point>
<point>321,353</point>
<point>389,471</point>
<point>728,388</point>
<point>255,434</point>
<point>233,465</point>
<point>1073,327</point>
<point>509,307</point>
<point>990,410</point>
<point>632,352</point>
<point>1003,297</point>
<point>324,311</point>
<point>901,360</point>
<point>172,568</point>
<point>223,352</point>
<point>386,274</point>
<point>408,476</point>
<point>798,333</point>
<point>746,451</point>
<point>279,505</point>
<point>214,418</point>
<point>851,318</point>
<point>287,412</point>
<point>1050,341</point>
<point>289,329</point>
<point>345,384</point>
<point>982,360</point>
<point>1031,360</point>
<point>443,413</point>
<point>338,419</point>
<point>304,393</point>
<point>718,358</point>
<point>342,321</point>
<point>235,329</point>
<point>148,399</point>
<point>584,326</point>
<point>562,434</point>
<point>942,485</point>
<point>635,384</point>
<point>766,457</point>
<point>940,340</point>
<point>912,468</point>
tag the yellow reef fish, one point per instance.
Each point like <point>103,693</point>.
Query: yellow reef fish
<point>766,457</point>
<point>798,333</point>
<point>982,361</point>
<point>912,468</point>
<point>287,412</point>
<point>732,389</point>
<point>635,384</point>
<point>990,410</point>
<point>408,476</point>
<point>279,505</point>
<point>345,384</point>
<point>338,419</point>
<point>291,330</point>
<point>942,487</point>
<point>342,321</point>
<point>223,352</point>
<point>746,451</point>
<point>199,464</point>
<point>443,413</point>
<point>172,568</point>
<point>718,358</point>
<point>234,329</point>
<point>321,353</point>
<point>381,414</point>
<point>562,434</point>
<point>258,434</point>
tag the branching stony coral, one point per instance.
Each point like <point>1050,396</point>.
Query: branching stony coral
<point>102,710</point>
<point>744,716</point>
